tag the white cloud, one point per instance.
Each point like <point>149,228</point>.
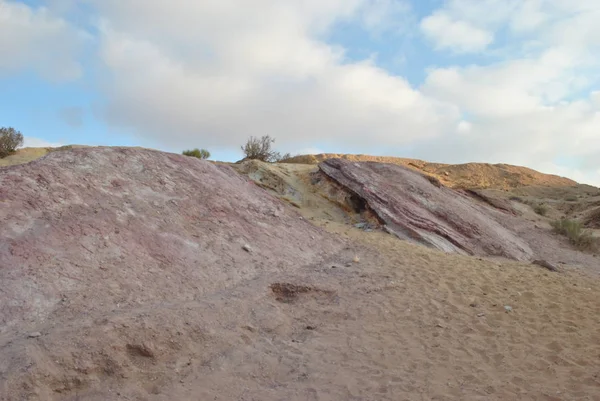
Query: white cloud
<point>458,36</point>
<point>189,73</point>
<point>31,142</point>
<point>464,127</point>
<point>240,70</point>
<point>530,110</point>
<point>36,39</point>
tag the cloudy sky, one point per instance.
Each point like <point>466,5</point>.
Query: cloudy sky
<point>514,81</point>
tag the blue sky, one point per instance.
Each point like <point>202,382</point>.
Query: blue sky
<point>454,81</point>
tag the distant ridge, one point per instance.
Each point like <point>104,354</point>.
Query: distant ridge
<point>469,175</point>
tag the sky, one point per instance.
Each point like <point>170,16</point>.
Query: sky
<point>454,81</point>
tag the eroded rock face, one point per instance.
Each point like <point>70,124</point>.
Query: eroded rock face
<point>414,208</point>
<point>124,226</point>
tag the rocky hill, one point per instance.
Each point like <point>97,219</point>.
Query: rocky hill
<point>132,274</point>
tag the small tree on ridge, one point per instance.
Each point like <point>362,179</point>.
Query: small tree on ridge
<point>10,140</point>
<point>261,149</point>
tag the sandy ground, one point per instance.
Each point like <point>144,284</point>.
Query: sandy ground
<point>404,323</point>
<point>346,315</point>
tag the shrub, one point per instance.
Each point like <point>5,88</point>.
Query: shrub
<point>261,149</point>
<point>541,209</point>
<point>10,140</point>
<point>198,153</point>
<point>575,232</point>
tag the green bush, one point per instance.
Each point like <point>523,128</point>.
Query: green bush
<point>10,140</point>
<point>576,234</point>
<point>198,153</point>
<point>261,149</point>
<point>540,209</point>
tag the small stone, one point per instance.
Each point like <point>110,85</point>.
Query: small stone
<point>508,308</point>
<point>34,334</point>
<point>247,248</point>
<point>356,259</point>
<point>473,303</point>
<point>441,326</point>
<point>480,314</point>
<point>546,265</point>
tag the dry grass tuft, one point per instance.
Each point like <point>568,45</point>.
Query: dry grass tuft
<point>578,236</point>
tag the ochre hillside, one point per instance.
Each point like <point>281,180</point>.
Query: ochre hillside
<point>24,155</point>
<point>469,175</point>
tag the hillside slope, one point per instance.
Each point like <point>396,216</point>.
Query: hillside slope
<point>130,274</point>
<point>87,232</point>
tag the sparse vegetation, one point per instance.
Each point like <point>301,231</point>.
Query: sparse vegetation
<point>541,209</point>
<point>198,153</point>
<point>261,149</point>
<point>10,140</point>
<point>571,198</point>
<point>577,235</point>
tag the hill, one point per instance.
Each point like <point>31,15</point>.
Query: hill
<point>132,274</point>
<point>469,175</point>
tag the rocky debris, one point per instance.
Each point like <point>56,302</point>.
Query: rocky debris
<point>546,265</point>
<point>288,293</point>
<point>414,209</point>
<point>508,308</point>
<point>247,248</point>
<point>34,334</point>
